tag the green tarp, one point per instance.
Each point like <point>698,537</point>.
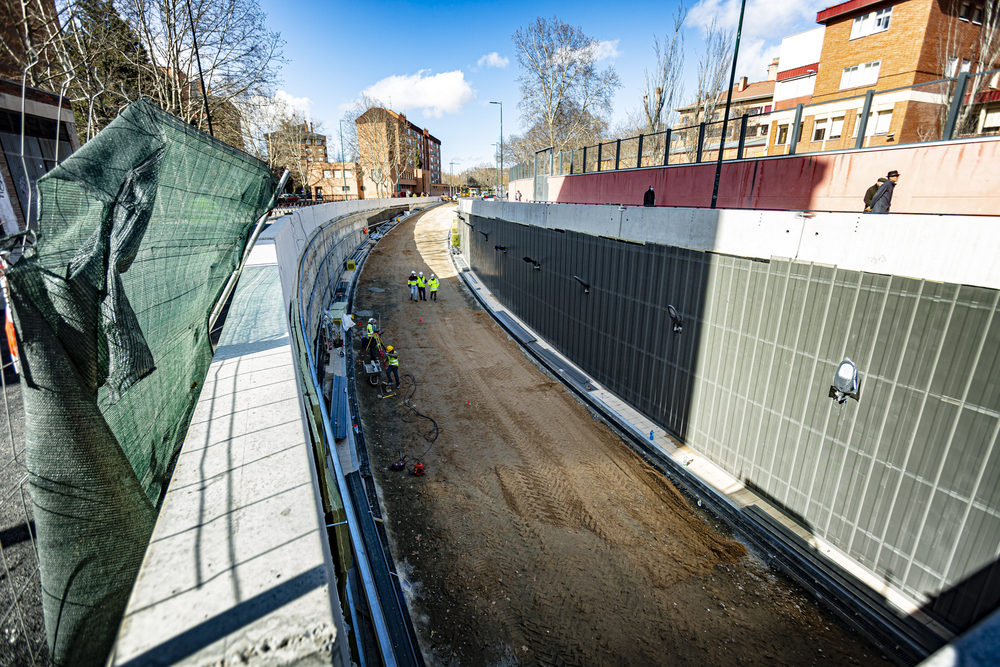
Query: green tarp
<point>137,233</point>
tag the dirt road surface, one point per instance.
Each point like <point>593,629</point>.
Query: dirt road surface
<point>536,536</point>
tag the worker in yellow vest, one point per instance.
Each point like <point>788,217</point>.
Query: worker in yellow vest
<point>433,283</point>
<point>412,282</point>
<point>421,286</point>
<point>392,365</point>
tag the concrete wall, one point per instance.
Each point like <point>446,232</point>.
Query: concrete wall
<point>958,177</point>
<point>904,481</point>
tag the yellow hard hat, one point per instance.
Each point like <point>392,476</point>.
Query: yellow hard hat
<point>389,349</point>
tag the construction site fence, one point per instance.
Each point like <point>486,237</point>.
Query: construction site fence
<point>961,107</point>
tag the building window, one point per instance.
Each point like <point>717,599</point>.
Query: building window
<point>347,174</point>
<point>865,74</point>
<point>871,23</point>
<point>308,142</point>
<point>819,129</point>
<point>953,66</point>
<point>326,173</point>
<point>991,123</point>
<point>319,192</point>
<point>836,128</point>
<point>782,135</point>
<point>977,15</point>
<point>878,123</point>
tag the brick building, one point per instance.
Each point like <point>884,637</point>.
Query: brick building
<point>397,154</point>
<point>889,48</point>
<point>335,181</point>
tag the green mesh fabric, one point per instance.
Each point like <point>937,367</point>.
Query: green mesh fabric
<point>138,232</point>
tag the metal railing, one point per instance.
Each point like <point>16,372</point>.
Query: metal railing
<point>960,107</point>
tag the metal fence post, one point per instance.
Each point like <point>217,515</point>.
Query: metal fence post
<point>552,154</point>
<point>743,137</point>
<point>618,152</point>
<point>701,140</point>
<point>638,162</point>
<point>583,169</point>
<point>956,105</point>
<point>796,129</point>
<point>600,147</point>
<point>666,150</point>
<point>863,120</point>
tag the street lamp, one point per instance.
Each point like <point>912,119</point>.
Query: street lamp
<point>501,142</point>
<point>498,168</point>
<point>342,171</point>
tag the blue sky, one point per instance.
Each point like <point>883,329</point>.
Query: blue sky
<point>441,63</point>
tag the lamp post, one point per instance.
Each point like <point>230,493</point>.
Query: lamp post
<point>501,143</point>
<point>497,146</point>
<point>729,101</point>
<point>342,171</point>
<point>452,184</point>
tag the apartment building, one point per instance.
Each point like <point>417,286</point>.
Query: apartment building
<point>398,158</point>
<point>894,49</point>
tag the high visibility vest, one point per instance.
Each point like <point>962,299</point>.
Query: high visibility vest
<point>434,282</point>
<point>370,329</point>
<point>393,359</point>
<point>412,280</point>
<point>421,281</point>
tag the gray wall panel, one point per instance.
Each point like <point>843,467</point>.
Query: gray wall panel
<point>905,480</point>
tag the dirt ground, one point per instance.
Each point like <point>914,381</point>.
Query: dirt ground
<point>536,536</point>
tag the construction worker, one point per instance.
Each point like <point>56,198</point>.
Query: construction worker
<point>392,367</point>
<point>433,283</point>
<point>421,285</point>
<point>371,343</point>
<point>412,282</point>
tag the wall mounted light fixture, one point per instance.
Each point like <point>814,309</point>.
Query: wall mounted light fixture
<point>586,287</point>
<point>675,318</point>
<point>531,261</point>
<point>485,235</point>
<point>500,247</point>
<point>845,382</point>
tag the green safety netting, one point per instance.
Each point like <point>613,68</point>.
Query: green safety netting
<point>137,233</point>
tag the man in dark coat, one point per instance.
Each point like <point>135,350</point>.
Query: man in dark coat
<point>870,192</point>
<point>883,196</point>
<point>649,199</point>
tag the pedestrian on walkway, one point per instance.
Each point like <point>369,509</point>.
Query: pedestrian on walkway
<point>433,283</point>
<point>649,199</point>
<point>883,196</point>
<point>412,282</point>
<point>392,366</point>
<point>870,192</point>
<point>518,196</point>
<point>421,286</point>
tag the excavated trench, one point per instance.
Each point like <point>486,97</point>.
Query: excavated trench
<point>537,536</point>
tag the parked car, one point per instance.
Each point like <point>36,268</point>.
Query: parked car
<point>288,198</point>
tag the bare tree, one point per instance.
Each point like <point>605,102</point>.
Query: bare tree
<point>562,91</point>
<point>377,139</point>
<point>714,62</point>
<point>664,86</point>
<point>969,40</point>
<point>237,55</point>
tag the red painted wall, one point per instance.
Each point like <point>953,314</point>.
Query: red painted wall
<point>961,177</point>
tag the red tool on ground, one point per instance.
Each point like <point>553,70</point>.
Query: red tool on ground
<point>418,469</point>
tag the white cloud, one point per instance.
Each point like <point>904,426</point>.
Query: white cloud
<point>435,95</point>
<point>301,104</point>
<point>607,49</point>
<point>765,24</point>
<point>493,60</point>
<point>766,19</point>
